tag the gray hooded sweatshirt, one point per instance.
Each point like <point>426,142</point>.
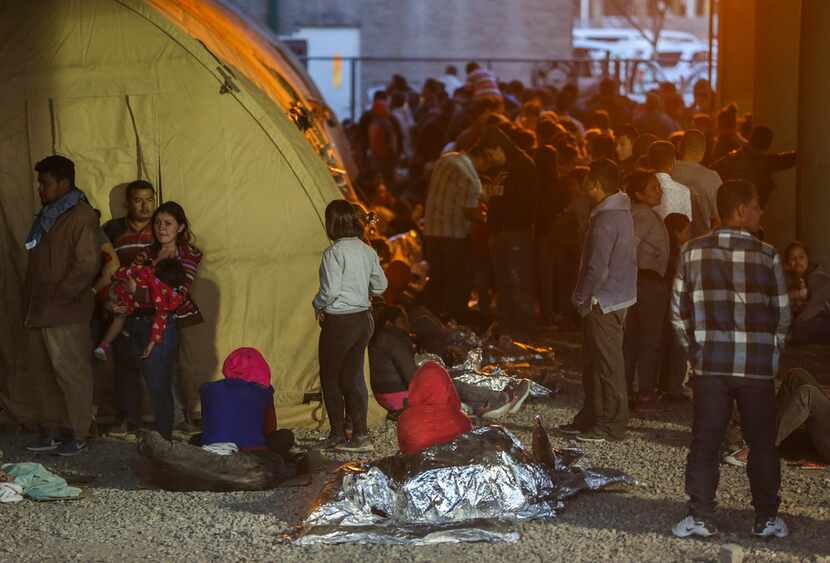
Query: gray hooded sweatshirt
<point>608,270</point>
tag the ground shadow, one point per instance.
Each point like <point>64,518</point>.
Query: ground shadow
<point>638,516</point>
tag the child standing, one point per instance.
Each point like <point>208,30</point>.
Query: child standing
<point>164,285</point>
<point>350,270</point>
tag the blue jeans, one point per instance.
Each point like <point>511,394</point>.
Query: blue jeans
<point>158,369</point>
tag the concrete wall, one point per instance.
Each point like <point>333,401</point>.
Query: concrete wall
<point>777,31</point>
<point>813,201</point>
<point>464,29</point>
<point>736,53</point>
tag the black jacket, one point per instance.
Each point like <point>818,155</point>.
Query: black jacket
<point>391,360</point>
<point>753,165</point>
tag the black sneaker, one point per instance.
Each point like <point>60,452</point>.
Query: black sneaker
<point>358,444</point>
<point>330,443</point>
<point>570,429</point>
<point>71,447</point>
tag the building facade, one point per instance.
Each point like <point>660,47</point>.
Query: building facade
<point>461,30</point>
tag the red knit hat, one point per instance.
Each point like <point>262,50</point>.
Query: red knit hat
<point>247,364</point>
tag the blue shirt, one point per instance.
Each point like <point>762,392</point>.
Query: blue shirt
<point>234,411</point>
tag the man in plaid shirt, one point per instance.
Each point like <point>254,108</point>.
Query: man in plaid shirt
<point>730,310</point>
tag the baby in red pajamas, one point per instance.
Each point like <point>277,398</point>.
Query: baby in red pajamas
<point>163,283</point>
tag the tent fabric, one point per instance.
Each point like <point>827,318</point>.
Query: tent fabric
<point>128,91</point>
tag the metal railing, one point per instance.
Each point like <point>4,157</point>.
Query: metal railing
<point>635,76</point>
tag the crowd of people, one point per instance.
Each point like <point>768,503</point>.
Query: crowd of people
<point>537,210</point>
<point>639,222</point>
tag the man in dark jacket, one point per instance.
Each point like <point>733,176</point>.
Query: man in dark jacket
<point>64,260</point>
<point>605,289</point>
<point>755,164</point>
<point>511,200</point>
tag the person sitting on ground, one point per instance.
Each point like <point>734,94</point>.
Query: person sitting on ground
<point>163,281</point>
<point>240,408</point>
<point>391,358</point>
<point>809,288</point>
<point>802,402</point>
<point>433,414</point>
<point>392,363</point>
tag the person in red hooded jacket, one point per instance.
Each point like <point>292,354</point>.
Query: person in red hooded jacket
<point>433,414</point>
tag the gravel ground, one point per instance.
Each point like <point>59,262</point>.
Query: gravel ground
<point>118,519</point>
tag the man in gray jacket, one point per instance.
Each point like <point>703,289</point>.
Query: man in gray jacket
<point>605,288</point>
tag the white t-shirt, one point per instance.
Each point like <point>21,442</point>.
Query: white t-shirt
<point>677,198</point>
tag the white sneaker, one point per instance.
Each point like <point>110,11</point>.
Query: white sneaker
<point>767,527</point>
<point>691,526</point>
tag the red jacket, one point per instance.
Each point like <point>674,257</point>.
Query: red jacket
<point>433,413</point>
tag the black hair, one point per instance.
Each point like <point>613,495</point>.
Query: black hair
<point>170,272</point>
<point>59,167</point>
<point>177,212</point>
<point>761,138</point>
<point>471,66</point>
<point>728,117</point>
<point>342,220</point>
<point>796,244</point>
<point>601,147</point>
<point>675,222</point>
<point>601,119</point>
<point>451,70</point>
<point>732,194</point>
<point>694,139</point>
<point>661,154</point>
<point>136,185</point>
<point>638,180</point>
<point>606,173</point>
<point>379,96</point>
<point>629,131</point>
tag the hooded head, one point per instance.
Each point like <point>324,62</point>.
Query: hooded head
<point>247,364</point>
<point>433,412</point>
<point>431,386</point>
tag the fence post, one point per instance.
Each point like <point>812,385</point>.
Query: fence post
<point>353,95</point>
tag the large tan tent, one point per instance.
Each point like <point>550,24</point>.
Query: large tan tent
<point>157,89</point>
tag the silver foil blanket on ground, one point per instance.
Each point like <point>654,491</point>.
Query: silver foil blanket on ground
<point>475,488</point>
<point>470,372</point>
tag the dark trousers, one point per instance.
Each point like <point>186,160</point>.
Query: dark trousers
<point>556,275</point>
<point>449,275</point>
<point>812,331</point>
<point>512,253</point>
<point>713,398</point>
<point>128,388</point>
<point>801,401</point>
<point>644,336</point>
<point>605,408</point>
<point>673,362</point>
<point>343,343</point>
<point>158,369</point>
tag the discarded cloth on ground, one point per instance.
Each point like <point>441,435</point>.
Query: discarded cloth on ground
<point>475,488</point>
<point>177,466</point>
<point>38,483</point>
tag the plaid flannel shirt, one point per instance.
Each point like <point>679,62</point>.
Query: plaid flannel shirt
<point>730,306</point>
